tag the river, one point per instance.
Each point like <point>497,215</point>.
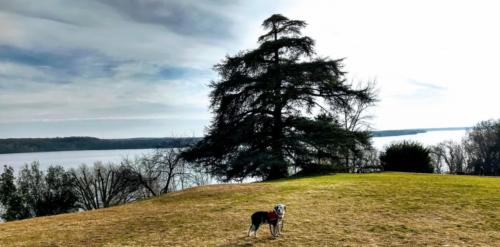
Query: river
<point>72,159</point>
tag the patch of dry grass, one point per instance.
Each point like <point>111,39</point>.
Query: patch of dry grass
<point>341,210</point>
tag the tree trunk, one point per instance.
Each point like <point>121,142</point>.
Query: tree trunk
<point>279,168</point>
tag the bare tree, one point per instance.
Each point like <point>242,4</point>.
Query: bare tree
<point>353,116</point>
<point>483,146</point>
<point>160,172</point>
<point>367,161</point>
<point>170,165</point>
<point>453,155</point>
<point>437,153</point>
<point>104,185</point>
<point>86,187</point>
<point>146,173</point>
<point>199,177</point>
<point>353,113</point>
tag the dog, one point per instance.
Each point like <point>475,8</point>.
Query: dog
<point>273,218</point>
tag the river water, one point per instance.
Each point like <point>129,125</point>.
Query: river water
<point>73,159</point>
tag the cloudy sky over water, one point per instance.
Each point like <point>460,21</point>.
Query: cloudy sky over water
<point>130,68</point>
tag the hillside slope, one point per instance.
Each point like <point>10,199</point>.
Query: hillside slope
<point>344,209</point>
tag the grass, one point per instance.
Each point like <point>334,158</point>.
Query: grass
<point>340,210</point>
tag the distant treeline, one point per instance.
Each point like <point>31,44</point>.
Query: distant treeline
<point>25,145</point>
<point>384,133</point>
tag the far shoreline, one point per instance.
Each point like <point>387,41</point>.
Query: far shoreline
<point>66,144</point>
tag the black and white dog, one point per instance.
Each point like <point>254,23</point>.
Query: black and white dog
<point>273,218</point>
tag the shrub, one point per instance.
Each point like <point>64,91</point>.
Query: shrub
<point>406,156</point>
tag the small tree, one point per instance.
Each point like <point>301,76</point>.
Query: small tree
<point>46,194</point>
<point>103,186</point>
<point>146,173</point>
<point>437,155</point>
<point>60,194</point>
<point>406,156</point>
<point>171,165</point>
<point>157,172</point>
<point>32,187</point>
<point>14,207</point>
<point>354,118</point>
<point>482,146</point>
<point>367,161</point>
<point>451,154</point>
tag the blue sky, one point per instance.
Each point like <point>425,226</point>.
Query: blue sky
<point>130,68</point>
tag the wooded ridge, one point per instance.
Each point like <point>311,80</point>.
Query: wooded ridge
<point>25,145</point>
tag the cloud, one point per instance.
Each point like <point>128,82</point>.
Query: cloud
<point>109,30</point>
<point>428,86</point>
<point>124,60</point>
<point>99,60</point>
<point>421,91</point>
<point>56,66</point>
<point>200,19</point>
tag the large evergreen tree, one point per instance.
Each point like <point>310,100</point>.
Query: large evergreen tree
<point>274,106</point>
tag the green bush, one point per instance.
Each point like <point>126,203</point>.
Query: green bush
<point>406,156</point>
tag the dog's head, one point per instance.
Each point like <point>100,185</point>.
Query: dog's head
<point>280,209</point>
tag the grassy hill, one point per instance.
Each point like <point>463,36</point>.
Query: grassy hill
<point>344,209</point>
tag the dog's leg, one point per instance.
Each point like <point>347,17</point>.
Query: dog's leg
<point>275,230</point>
<point>250,230</point>
<point>254,229</point>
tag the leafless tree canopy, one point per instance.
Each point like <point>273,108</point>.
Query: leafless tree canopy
<point>104,185</point>
<point>353,115</point>
<point>164,171</point>
<point>153,174</point>
<point>478,153</point>
<point>483,148</point>
<point>452,155</point>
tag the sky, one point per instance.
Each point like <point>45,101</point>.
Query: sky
<point>141,68</point>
